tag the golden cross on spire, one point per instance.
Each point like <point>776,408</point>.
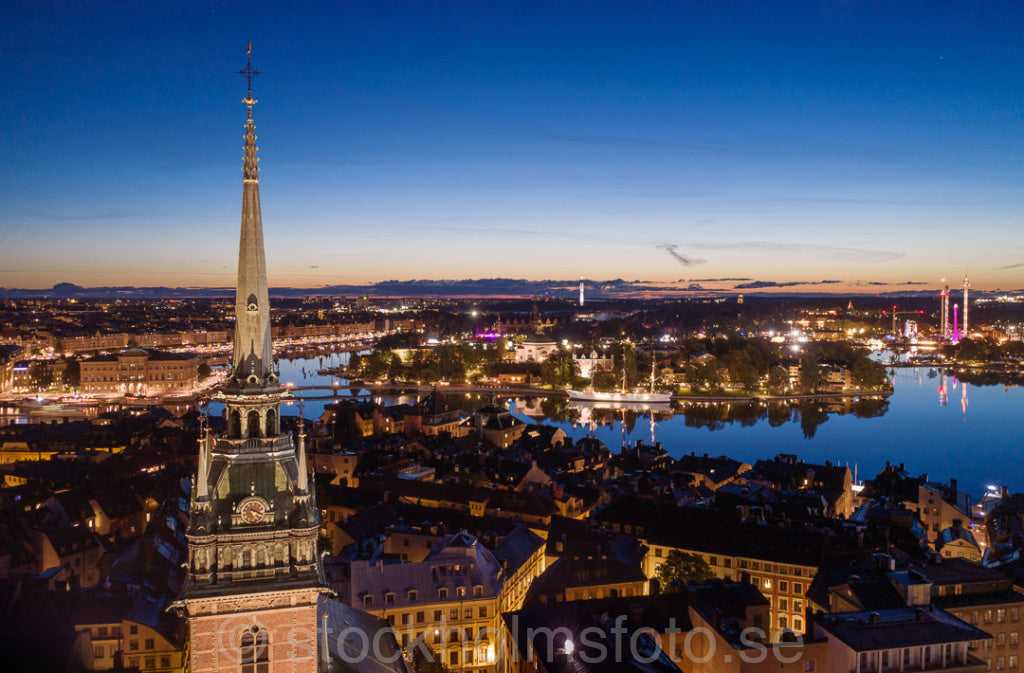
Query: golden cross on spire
<point>249,73</point>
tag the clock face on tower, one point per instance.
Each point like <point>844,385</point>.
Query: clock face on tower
<point>252,511</point>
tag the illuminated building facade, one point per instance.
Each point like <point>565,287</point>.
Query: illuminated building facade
<point>139,372</point>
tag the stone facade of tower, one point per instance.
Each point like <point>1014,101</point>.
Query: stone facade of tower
<point>254,577</point>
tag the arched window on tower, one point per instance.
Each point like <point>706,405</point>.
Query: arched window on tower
<point>254,424</point>
<point>234,424</point>
<point>255,651</point>
<point>271,423</point>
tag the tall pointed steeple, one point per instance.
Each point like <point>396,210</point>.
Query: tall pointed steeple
<point>253,361</point>
<point>254,576</point>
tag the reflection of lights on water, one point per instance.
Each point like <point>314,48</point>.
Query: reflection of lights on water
<point>569,647</point>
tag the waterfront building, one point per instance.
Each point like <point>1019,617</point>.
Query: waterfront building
<point>536,348</point>
<point>588,364</point>
<point>8,356</point>
<point>139,372</point>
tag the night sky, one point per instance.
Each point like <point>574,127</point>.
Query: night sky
<point>875,144</point>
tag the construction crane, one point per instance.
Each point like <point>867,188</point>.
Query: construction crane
<point>899,313</point>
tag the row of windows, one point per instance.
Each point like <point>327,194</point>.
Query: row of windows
<point>451,634</point>
<point>766,583</point>
<point>890,658</point>
<point>999,615</point>
<point>480,655</point>
<point>1004,639</point>
<point>999,663</point>
<point>412,595</point>
<point>797,625</point>
<point>150,662</point>
<point>798,605</point>
<point>453,615</point>
<point>765,566</point>
<point>98,652</point>
<point>774,568</point>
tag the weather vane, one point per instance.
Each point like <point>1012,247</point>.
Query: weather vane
<point>249,73</point>
<point>204,416</point>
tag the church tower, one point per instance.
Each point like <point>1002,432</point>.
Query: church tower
<point>254,578</point>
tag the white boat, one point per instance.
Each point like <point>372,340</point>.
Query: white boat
<point>619,397</point>
<point>622,397</point>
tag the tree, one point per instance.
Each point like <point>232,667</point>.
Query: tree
<point>605,380</point>
<point>680,567</point>
<point>778,380</point>
<point>73,374</point>
<point>701,375</point>
<point>867,374</point>
<point>500,348</point>
<point>559,368</point>
<point>812,375</point>
<point>742,369</point>
<point>355,363</point>
<point>379,364</point>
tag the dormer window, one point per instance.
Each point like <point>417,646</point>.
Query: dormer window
<point>412,596</point>
<point>442,593</point>
<point>367,601</point>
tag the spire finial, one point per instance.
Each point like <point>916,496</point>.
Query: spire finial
<point>249,73</point>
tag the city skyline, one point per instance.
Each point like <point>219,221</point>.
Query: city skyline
<point>873,147</point>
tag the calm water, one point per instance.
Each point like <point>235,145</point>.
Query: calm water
<point>980,441</point>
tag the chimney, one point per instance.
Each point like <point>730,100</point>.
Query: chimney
<point>1004,492</point>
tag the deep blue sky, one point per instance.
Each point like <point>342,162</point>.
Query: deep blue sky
<point>780,141</point>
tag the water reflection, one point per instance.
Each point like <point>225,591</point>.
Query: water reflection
<point>713,416</point>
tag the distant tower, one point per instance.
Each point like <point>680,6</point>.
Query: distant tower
<point>967,284</point>
<point>739,299</point>
<point>956,330</point>
<point>944,312</point>
<point>254,577</point>
<point>581,291</point>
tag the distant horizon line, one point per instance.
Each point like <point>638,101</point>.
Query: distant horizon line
<point>510,288</point>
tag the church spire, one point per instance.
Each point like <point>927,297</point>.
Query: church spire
<point>253,359</point>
